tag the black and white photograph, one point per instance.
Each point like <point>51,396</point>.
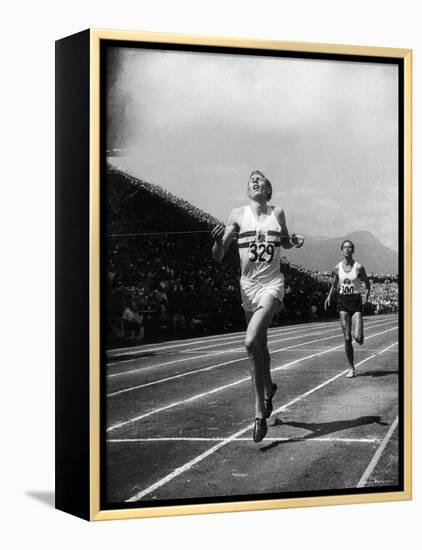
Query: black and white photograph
<point>145,404</point>
<point>251,268</point>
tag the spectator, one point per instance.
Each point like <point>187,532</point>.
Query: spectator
<point>179,321</point>
<point>132,322</point>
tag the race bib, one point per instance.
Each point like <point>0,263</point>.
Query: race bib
<point>261,252</point>
<point>347,287</point>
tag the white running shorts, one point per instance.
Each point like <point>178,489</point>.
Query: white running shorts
<point>252,292</point>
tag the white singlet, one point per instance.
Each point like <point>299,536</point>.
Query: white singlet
<point>349,283</point>
<point>259,251</point>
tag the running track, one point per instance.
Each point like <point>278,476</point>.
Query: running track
<point>179,416</point>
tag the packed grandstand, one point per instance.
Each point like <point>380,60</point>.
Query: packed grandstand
<point>163,283</point>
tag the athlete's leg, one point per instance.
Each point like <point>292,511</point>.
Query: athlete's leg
<point>345,322</point>
<point>257,360</point>
<point>357,327</point>
<point>256,347</point>
<point>268,383</point>
<point>269,387</point>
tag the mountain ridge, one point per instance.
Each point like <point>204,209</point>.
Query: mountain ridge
<point>323,253</point>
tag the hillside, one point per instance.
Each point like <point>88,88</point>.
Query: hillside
<point>322,253</point>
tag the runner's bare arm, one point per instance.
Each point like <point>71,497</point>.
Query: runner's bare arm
<point>334,285</point>
<point>361,272</point>
<point>223,235</point>
<point>287,241</point>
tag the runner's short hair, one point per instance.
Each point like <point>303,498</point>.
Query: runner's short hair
<point>348,241</point>
<point>267,182</point>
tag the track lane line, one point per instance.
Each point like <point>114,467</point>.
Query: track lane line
<point>237,334</point>
<point>320,330</point>
<point>216,337</point>
<point>200,340</point>
<point>217,343</point>
<point>378,453</point>
<point>218,365</point>
<point>224,387</point>
<point>248,439</point>
<point>275,331</point>
<point>222,352</point>
<point>237,350</point>
<point>188,465</point>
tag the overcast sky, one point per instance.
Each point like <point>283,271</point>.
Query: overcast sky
<point>324,132</point>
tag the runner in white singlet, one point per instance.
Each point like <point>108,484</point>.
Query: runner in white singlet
<point>259,250</point>
<point>261,230</point>
<point>348,278</point>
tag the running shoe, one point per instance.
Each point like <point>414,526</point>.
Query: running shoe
<point>351,372</point>
<point>268,402</point>
<point>260,429</point>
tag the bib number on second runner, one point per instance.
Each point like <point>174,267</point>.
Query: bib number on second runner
<point>261,252</point>
<point>347,290</point>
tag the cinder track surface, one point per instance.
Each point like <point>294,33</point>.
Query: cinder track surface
<point>179,416</point>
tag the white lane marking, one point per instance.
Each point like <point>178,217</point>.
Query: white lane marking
<point>377,455</point>
<point>237,350</point>
<point>388,348</point>
<point>211,367</point>
<point>199,439</point>
<point>200,340</point>
<point>173,377</point>
<point>214,353</point>
<point>188,465</point>
<point>218,337</point>
<point>276,337</point>
<point>210,353</point>
<point>170,344</point>
<point>240,335</point>
<point>327,347</point>
<point>221,388</point>
<point>158,365</point>
<point>222,352</point>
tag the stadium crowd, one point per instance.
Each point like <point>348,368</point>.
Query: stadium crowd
<point>384,296</point>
